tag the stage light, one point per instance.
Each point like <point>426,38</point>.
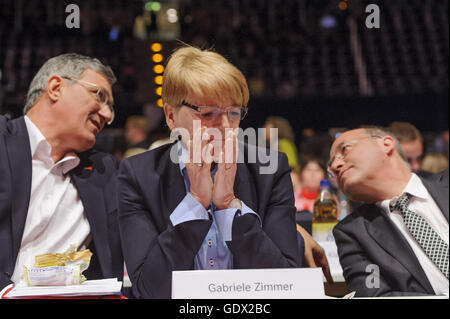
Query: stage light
<point>172,15</point>
<point>158,69</point>
<point>328,21</point>
<point>156,47</point>
<point>159,79</point>
<point>157,58</point>
<point>156,6</point>
<point>153,6</point>
<point>342,5</point>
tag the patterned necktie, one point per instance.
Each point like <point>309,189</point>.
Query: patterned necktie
<point>433,245</point>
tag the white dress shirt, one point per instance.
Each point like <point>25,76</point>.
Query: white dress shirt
<point>56,217</point>
<point>422,204</point>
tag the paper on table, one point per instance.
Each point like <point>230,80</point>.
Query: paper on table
<point>333,260</point>
<point>100,287</point>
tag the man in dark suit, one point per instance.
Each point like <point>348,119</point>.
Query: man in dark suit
<point>397,242</point>
<point>192,204</point>
<point>55,191</point>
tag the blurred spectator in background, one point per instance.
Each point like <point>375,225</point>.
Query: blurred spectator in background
<point>440,144</point>
<point>434,163</point>
<point>315,144</point>
<point>286,140</point>
<point>136,132</point>
<point>311,173</point>
<point>295,177</point>
<point>411,141</point>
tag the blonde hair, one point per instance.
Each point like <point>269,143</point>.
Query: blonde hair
<point>204,74</point>
<point>283,126</point>
<point>434,163</point>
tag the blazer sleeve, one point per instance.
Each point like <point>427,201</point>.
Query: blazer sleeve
<point>151,253</point>
<point>275,243</point>
<point>362,274</point>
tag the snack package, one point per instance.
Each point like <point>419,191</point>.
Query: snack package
<point>58,269</point>
<point>52,276</point>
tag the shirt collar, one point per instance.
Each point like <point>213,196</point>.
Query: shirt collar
<point>414,187</point>
<point>41,149</point>
<point>182,155</point>
<point>36,138</point>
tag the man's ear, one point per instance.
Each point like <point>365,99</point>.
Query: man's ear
<point>54,85</point>
<point>169,112</point>
<point>388,145</point>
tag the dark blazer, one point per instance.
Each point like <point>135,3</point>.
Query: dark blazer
<point>95,181</point>
<point>368,236</point>
<point>150,186</point>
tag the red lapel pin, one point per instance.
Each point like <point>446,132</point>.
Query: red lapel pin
<point>88,168</point>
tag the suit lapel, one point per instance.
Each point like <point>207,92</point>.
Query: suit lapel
<point>243,189</point>
<point>19,155</point>
<point>171,182</point>
<point>439,191</point>
<point>92,197</point>
<point>385,233</point>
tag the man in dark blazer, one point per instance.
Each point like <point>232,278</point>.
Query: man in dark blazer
<point>55,191</point>
<point>180,212</point>
<point>381,251</point>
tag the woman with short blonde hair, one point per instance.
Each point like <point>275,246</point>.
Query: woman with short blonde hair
<point>202,73</point>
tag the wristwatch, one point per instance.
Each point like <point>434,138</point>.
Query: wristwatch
<point>235,203</point>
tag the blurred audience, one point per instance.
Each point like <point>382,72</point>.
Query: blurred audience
<point>136,132</point>
<point>312,171</point>
<point>411,141</point>
<point>314,143</point>
<point>434,163</point>
<point>440,143</point>
<point>295,178</point>
<point>286,139</point>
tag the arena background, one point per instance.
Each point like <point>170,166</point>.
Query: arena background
<point>314,62</point>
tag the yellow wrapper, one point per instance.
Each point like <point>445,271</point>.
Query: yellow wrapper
<point>70,257</point>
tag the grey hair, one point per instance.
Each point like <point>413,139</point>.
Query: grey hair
<point>69,65</point>
<point>376,131</point>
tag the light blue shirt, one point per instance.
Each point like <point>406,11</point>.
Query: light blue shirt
<point>214,252</point>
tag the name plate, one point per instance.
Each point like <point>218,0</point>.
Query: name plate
<point>286,283</point>
<point>333,260</point>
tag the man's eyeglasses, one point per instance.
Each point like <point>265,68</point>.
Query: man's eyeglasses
<point>342,151</point>
<point>100,93</point>
<point>234,113</point>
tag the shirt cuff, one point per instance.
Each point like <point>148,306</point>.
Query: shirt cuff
<point>188,209</point>
<point>224,219</point>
